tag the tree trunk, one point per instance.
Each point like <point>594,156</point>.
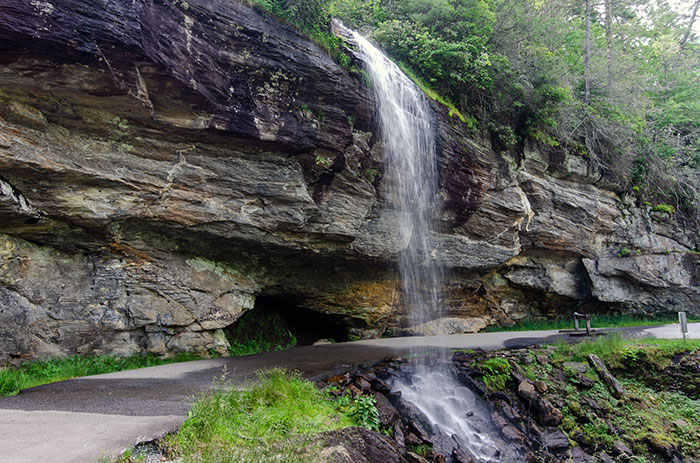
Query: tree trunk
<point>693,15</point>
<point>608,38</point>
<point>587,58</point>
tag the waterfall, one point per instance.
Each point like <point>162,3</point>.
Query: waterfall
<point>412,189</point>
<point>411,179</point>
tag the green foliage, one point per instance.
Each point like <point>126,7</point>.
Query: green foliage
<point>273,421</point>
<point>364,413</point>
<point>371,174</point>
<point>311,17</point>
<point>435,96</point>
<point>361,410</point>
<point>495,382</point>
<point>517,68</point>
<point>259,331</point>
<point>323,161</point>
<point>496,373</point>
<point>625,252</point>
<point>536,372</point>
<point>496,366</point>
<point>30,374</point>
<point>650,416</point>
<point>343,59</point>
<point>653,417</point>
<point>421,449</point>
<point>618,352</point>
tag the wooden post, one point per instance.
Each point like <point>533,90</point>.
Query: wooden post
<point>683,320</point>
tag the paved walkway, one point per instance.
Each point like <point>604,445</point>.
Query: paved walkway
<point>94,418</point>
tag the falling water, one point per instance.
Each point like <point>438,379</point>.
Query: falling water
<point>411,179</point>
<point>455,411</point>
<point>405,123</point>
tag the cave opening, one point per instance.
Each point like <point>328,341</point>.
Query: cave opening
<point>277,323</point>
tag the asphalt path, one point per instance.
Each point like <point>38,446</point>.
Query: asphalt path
<point>95,418</point>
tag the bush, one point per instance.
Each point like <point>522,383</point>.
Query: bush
<point>259,331</point>
<point>364,413</point>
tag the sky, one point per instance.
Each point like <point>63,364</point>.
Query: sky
<point>686,7</point>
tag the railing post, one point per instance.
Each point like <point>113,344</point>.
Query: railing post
<point>683,320</point>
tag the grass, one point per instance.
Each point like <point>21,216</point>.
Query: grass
<point>651,416</point>
<point>648,418</point>
<point>274,421</point>
<point>618,352</point>
<point>496,373</point>
<point>30,374</point>
<point>597,321</point>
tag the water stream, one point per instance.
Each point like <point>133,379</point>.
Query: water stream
<point>411,178</point>
<point>406,125</point>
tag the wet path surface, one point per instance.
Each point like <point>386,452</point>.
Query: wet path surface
<point>92,418</point>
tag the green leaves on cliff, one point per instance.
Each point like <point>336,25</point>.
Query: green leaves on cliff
<point>310,17</point>
<point>625,95</point>
<point>616,82</point>
<point>306,15</point>
<point>443,41</point>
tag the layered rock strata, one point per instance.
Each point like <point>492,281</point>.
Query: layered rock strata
<point>163,164</point>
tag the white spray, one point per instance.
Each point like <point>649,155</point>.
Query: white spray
<point>411,177</point>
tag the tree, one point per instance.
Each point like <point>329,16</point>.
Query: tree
<point>691,23</point>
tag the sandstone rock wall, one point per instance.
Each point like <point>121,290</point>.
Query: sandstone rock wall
<point>162,164</point>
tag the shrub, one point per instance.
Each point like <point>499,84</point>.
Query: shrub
<point>364,413</point>
<point>625,252</point>
<point>259,331</point>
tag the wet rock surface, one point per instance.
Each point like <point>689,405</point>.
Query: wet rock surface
<point>358,445</point>
<point>411,430</point>
<point>164,164</point>
<point>526,423</point>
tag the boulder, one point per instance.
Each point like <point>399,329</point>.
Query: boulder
<point>358,445</point>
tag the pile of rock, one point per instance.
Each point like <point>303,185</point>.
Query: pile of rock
<point>525,418</point>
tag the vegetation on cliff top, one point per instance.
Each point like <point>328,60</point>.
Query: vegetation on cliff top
<point>617,82</point>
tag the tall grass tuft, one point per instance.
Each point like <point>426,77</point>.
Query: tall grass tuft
<point>273,421</point>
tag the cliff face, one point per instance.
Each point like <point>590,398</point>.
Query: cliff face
<point>163,164</point>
